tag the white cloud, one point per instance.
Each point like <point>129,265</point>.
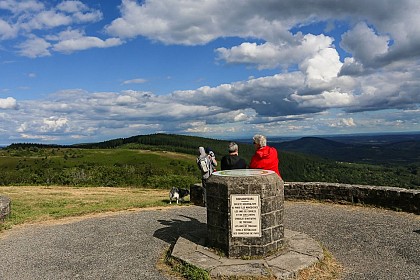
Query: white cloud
<point>54,124</point>
<point>157,19</point>
<point>79,11</point>
<point>271,55</point>
<point>125,100</point>
<point>195,22</point>
<point>134,81</point>
<point>7,31</point>
<point>72,40</point>
<point>365,44</point>
<point>31,20</point>
<point>322,67</point>
<point>64,14</point>
<point>46,20</point>
<point>72,6</point>
<point>326,99</point>
<point>8,103</point>
<point>349,122</point>
<point>34,47</point>
<point>18,7</point>
<point>240,117</point>
<point>84,43</point>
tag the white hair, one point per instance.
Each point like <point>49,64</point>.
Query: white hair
<point>260,140</point>
<point>233,147</point>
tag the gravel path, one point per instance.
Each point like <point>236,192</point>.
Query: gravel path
<point>370,243</point>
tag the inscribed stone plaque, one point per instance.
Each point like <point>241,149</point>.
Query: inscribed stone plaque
<point>245,215</point>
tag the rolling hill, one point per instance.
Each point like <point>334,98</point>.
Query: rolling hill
<point>308,159</point>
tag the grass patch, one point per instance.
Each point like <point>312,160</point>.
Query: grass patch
<point>327,269</point>
<point>179,269</point>
<point>32,204</point>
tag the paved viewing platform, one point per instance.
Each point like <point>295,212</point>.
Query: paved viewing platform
<point>370,243</point>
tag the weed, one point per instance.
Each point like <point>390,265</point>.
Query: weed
<point>186,270</point>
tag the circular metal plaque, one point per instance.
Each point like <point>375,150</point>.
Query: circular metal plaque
<point>243,172</point>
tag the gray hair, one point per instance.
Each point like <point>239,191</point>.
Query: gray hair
<point>233,147</point>
<point>260,140</point>
<point>201,151</point>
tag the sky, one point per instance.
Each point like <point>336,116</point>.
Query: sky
<point>89,71</point>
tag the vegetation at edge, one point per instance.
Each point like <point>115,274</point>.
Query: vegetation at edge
<point>45,203</point>
<point>165,160</point>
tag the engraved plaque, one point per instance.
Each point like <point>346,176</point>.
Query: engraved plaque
<point>245,215</point>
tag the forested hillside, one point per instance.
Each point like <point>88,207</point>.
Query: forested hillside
<point>294,166</point>
<point>397,153</point>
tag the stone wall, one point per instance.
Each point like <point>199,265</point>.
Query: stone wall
<point>387,197</point>
<point>399,199</point>
<point>5,207</point>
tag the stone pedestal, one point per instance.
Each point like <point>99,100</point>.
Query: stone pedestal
<point>5,207</point>
<point>245,212</point>
<point>196,195</point>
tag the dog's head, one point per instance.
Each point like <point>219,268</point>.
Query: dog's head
<point>184,192</point>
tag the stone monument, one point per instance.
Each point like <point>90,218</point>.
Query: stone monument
<point>245,212</point>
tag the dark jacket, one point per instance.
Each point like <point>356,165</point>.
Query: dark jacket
<point>233,162</point>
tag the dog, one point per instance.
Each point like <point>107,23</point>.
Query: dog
<point>178,194</point>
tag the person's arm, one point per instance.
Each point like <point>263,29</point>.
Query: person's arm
<point>213,158</point>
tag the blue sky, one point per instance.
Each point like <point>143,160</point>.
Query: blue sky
<point>87,71</point>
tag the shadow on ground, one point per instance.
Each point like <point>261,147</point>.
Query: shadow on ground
<point>175,228</point>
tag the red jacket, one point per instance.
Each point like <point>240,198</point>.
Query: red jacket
<point>265,158</point>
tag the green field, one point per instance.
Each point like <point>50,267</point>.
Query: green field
<point>96,167</point>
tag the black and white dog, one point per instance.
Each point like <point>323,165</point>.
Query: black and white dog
<point>177,194</point>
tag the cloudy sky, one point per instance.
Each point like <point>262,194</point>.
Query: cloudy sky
<point>92,70</point>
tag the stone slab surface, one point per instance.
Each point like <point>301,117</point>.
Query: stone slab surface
<point>300,252</point>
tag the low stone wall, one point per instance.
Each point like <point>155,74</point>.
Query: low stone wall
<point>5,207</point>
<point>398,199</point>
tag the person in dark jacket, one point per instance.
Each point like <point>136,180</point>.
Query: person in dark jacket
<point>265,157</point>
<point>233,160</point>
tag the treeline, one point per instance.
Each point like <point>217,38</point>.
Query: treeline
<point>304,168</point>
<point>169,142</point>
<point>32,146</point>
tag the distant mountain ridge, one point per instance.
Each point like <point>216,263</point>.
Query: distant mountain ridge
<point>405,152</point>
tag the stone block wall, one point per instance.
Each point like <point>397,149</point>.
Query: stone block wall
<point>399,199</point>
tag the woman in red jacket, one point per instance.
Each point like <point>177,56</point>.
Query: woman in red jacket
<point>265,157</point>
